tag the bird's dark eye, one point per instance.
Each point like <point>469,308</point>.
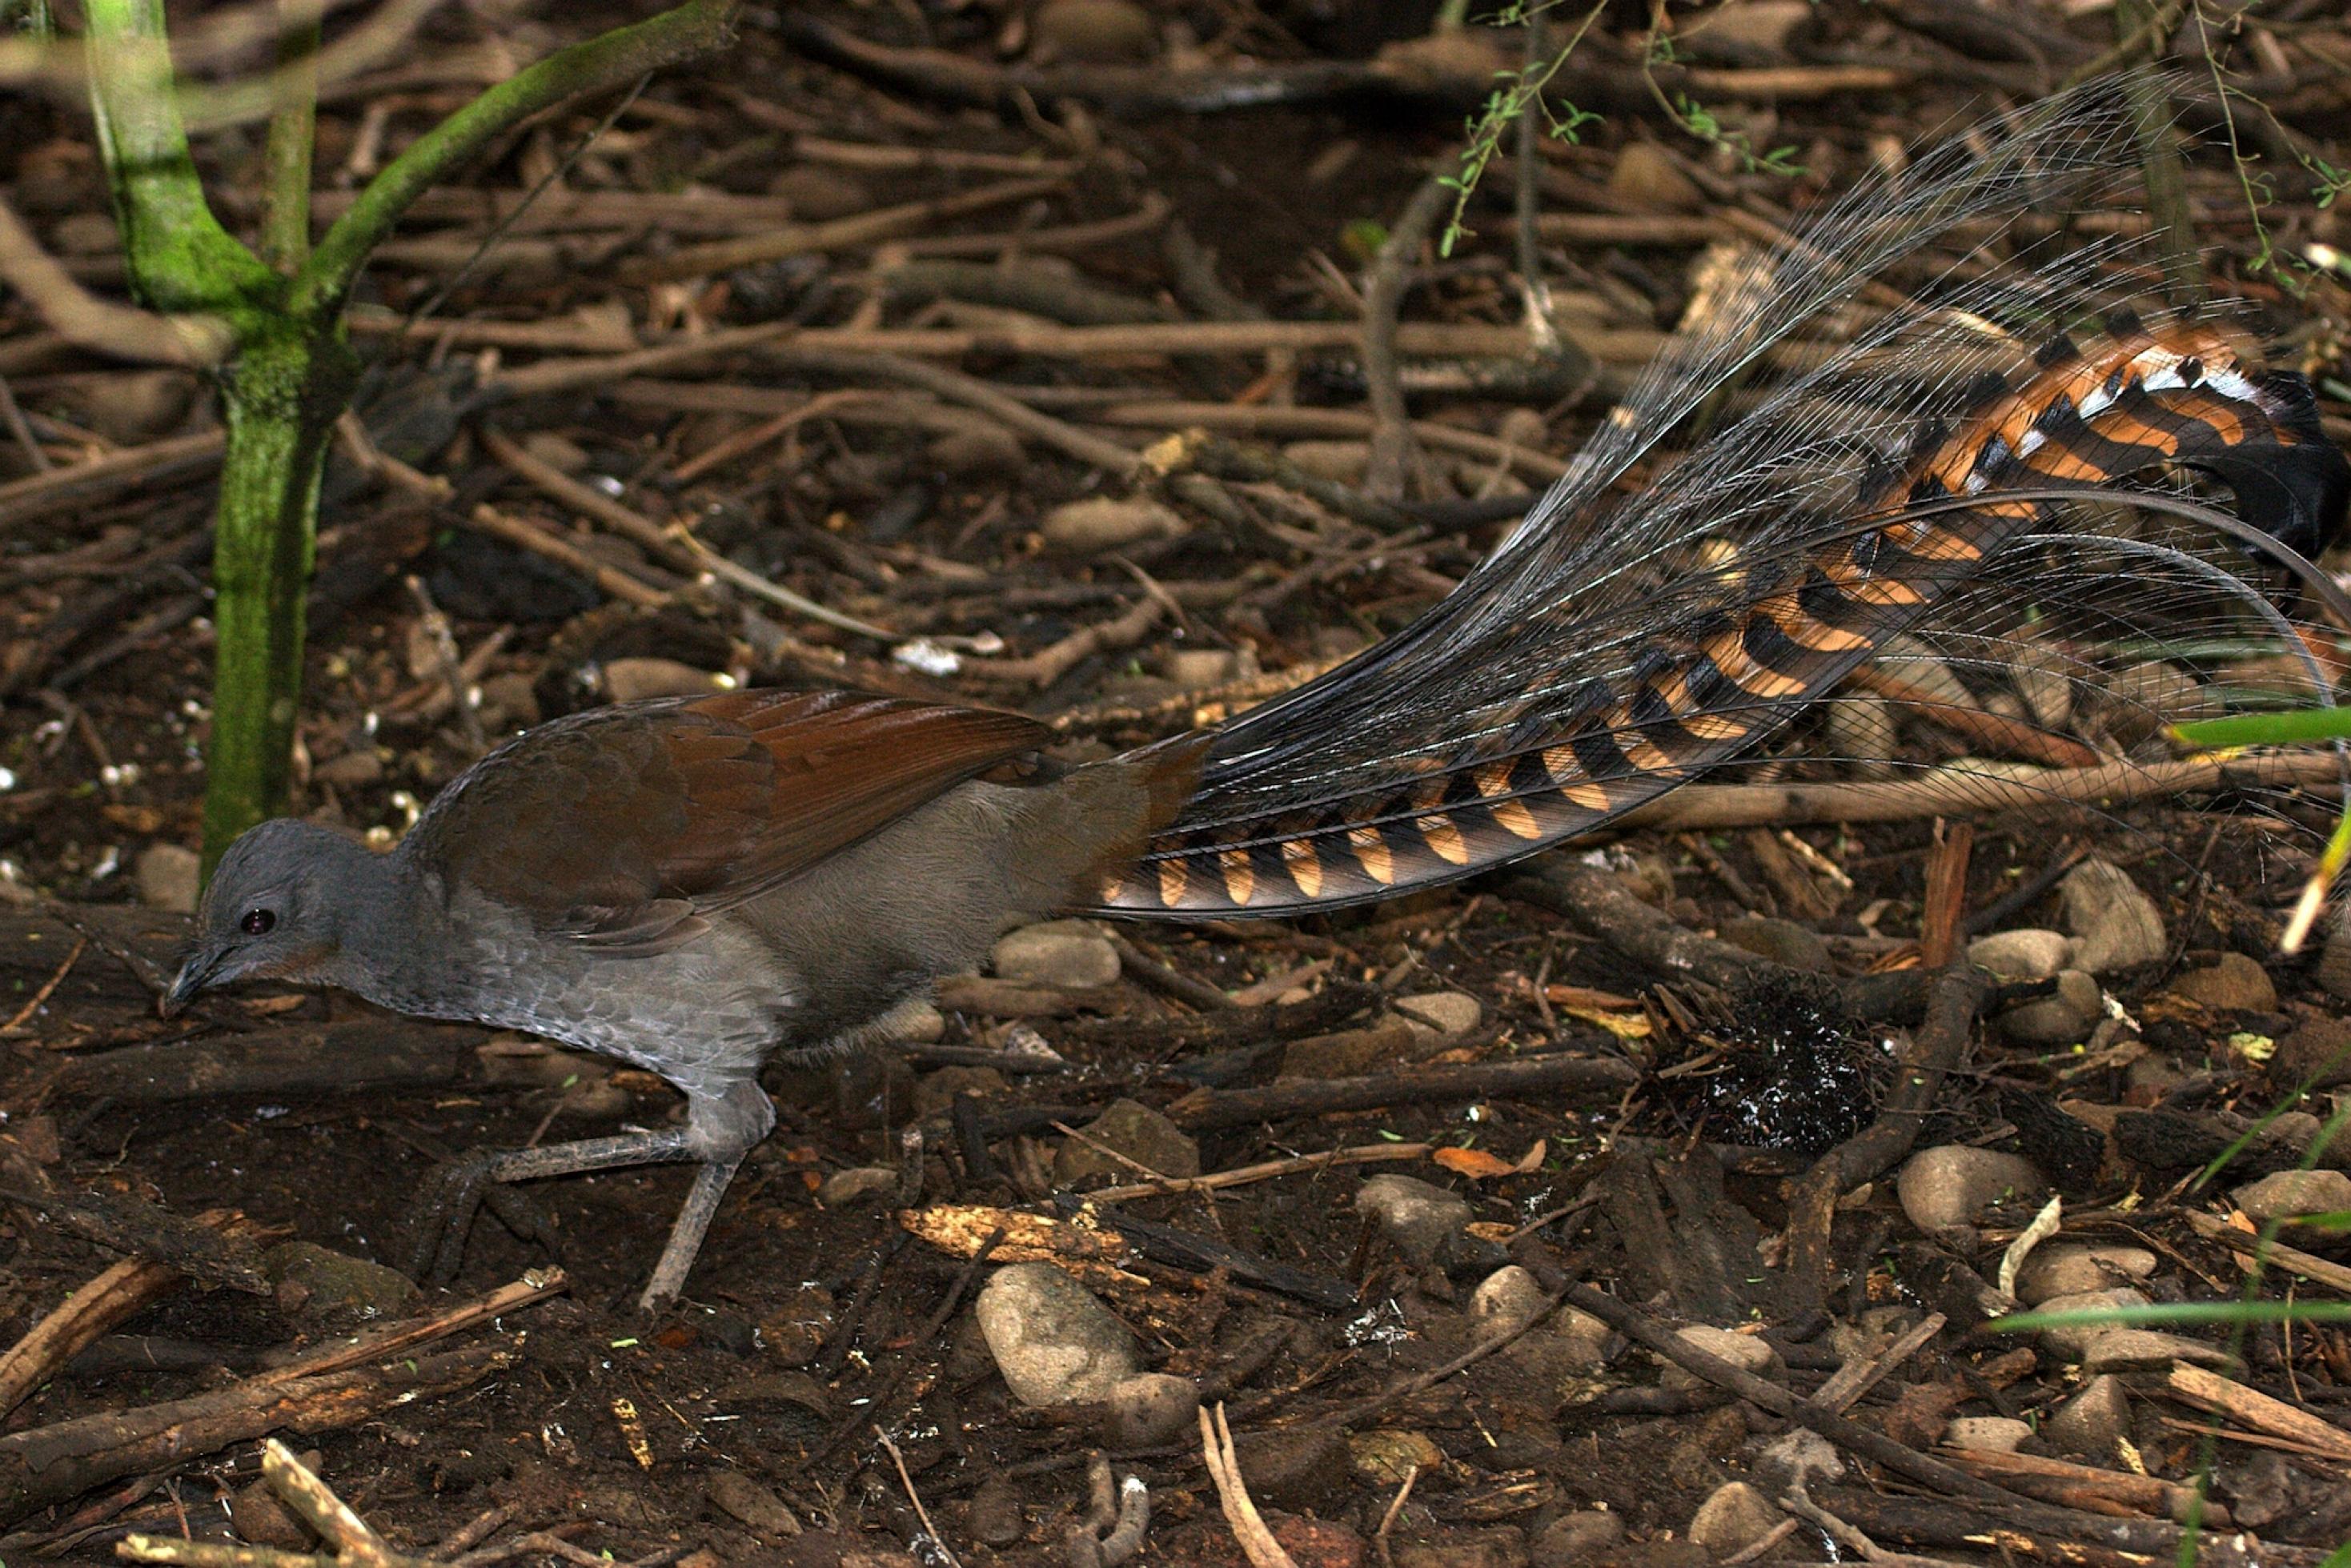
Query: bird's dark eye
<point>258,923</point>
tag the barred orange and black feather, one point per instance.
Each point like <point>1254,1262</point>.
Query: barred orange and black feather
<point>1596,661</point>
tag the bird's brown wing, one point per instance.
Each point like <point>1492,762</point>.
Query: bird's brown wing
<point>622,827</point>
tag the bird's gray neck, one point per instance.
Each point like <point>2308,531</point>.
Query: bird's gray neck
<point>393,937</point>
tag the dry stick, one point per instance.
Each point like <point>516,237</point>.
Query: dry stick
<point>1313,1097</point>
<point>488,520</point>
<point>956,387</point>
<point>48,1464</point>
<point>1150,215</point>
<point>39,998</point>
<point>679,548</point>
<point>1857,1377</point>
<point>86,485</point>
<point>1440,340</point>
<point>1638,1325</point>
<point>2272,1254</point>
<point>1265,1170</point>
<point>1394,466</point>
<point>2114,783</point>
<point>78,1321</point>
<point>1050,663</point>
<point>841,234</point>
<point>1940,925</point>
<point>2251,1407</point>
<point>1260,419</point>
<point>1256,1542</point>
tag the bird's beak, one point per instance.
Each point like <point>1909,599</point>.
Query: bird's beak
<point>193,976</point>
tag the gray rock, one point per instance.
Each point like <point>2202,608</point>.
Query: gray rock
<point>2139,1350</point>
<point>1132,1129</point>
<point>1506,1299</point>
<point>2065,1270</point>
<point>2317,1052</point>
<point>2333,970</point>
<point>1782,941</point>
<point>856,1185</point>
<point>2116,926</point>
<point>1992,1434</point>
<point>1108,523</point>
<point>2026,953</point>
<point>2064,1019</point>
<point>1152,1408</point>
<point>311,1281</point>
<point>2074,1339</point>
<point>1953,1185</point>
<point>1052,1341</point>
<point>1573,1539</point>
<point>1071,953</point>
<point>1441,1014</point>
<point>2234,984</point>
<point>2092,1421</point>
<point>1736,1517</point>
<point>1424,1221</point>
<point>2290,1194</point>
<point>168,878</point>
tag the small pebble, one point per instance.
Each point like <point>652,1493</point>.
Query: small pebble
<point>1072,954</point>
<point>938,1092</point>
<point>2067,1017</point>
<point>1735,1518</point>
<point>1749,1353</point>
<point>1991,1434</point>
<point>1093,32</point>
<point>2074,1339</point>
<point>168,878</point>
<point>2234,984</point>
<point>1783,942</point>
<point>1798,1456</point>
<point>2138,1350</point>
<point>1385,1456</point>
<point>1151,1408</point>
<point>994,1515</point>
<point>1053,1342</point>
<point>818,192</point>
<point>1135,1130</point>
<point>988,454</point>
<point>1422,1220</point>
<point>2070,1270</point>
<point>1506,1299</point>
<point>1953,1184</point>
<point>2116,926</point>
<point>2023,954</point>
<point>1109,523</point>
<point>1573,1540</point>
<point>842,1188</point>
<point>1341,461</point>
<point>2291,1194</point>
<point>1443,1014</point>
<point>1646,175</point>
<point>2092,1421</point>
<point>634,680</point>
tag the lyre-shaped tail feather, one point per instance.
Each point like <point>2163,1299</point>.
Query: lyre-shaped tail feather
<point>1585,670</point>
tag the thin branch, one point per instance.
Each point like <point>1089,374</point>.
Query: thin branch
<point>285,186</point>
<point>614,59</point>
<point>84,318</point>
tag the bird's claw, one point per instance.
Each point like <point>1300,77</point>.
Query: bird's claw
<point>451,1194</point>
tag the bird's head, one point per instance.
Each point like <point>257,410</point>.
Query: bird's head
<point>279,906</point>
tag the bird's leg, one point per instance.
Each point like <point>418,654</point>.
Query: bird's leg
<point>685,1235</point>
<point>454,1193</point>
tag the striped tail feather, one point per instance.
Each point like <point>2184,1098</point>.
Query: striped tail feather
<point>1729,651</point>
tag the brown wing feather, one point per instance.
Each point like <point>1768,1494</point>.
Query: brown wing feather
<point>625,826</point>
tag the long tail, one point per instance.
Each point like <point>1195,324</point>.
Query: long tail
<point>1596,661</point>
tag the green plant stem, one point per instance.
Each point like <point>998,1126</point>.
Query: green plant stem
<point>618,56</point>
<point>180,257</point>
<point>284,393</point>
<point>286,190</point>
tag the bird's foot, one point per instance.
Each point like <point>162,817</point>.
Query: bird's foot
<point>451,1194</point>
